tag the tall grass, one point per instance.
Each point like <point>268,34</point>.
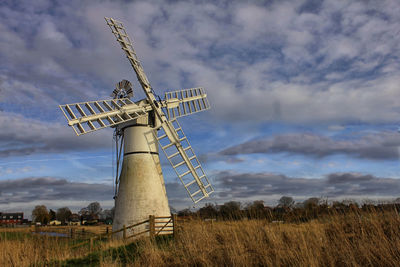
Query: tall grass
<point>353,239</point>
<point>339,240</point>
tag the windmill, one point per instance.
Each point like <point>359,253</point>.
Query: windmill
<point>140,128</point>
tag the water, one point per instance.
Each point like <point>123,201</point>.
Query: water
<point>52,234</point>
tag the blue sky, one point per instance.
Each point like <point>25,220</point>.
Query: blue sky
<point>304,96</point>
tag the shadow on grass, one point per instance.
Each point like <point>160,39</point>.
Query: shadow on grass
<point>123,254</point>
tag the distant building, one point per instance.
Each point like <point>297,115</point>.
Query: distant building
<point>12,218</point>
<point>54,222</point>
<point>74,219</point>
<point>89,219</point>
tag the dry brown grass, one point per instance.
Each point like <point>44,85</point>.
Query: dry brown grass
<point>20,247</point>
<point>351,240</point>
<point>369,239</point>
<point>33,251</point>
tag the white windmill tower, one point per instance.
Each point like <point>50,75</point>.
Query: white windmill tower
<point>139,127</point>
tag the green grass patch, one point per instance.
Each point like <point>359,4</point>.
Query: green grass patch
<point>123,254</point>
<point>12,236</point>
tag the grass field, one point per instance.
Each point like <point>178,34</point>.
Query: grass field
<point>356,239</point>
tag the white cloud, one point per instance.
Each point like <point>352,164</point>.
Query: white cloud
<point>381,145</point>
<point>336,62</point>
<point>335,185</point>
<point>20,136</point>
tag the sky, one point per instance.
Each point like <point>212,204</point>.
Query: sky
<point>304,96</point>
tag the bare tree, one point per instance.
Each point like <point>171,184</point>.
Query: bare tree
<point>185,212</point>
<point>63,214</point>
<point>41,214</point>
<point>83,212</point>
<point>230,210</point>
<point>107,214</point>
<point>286,202</point>
<point>52,214</point>
<point>208,211</point>
<point>94,208</point>
<point>256,209</point>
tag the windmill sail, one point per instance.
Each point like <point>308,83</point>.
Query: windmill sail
<point>185,163</point>
<point>117,28</point>
<point>91,116</point>
<point>184,102</point>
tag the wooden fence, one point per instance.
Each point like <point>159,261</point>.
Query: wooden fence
<point>154,226</point>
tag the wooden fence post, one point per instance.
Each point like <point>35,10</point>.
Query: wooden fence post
<point>175,225</point>
<point>152,226</point>
<point>124,233</point>
<point>91,244</point>
<point>72,232</point>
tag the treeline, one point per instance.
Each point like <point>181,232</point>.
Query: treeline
<point>286,210</point>
<point>93,213</point>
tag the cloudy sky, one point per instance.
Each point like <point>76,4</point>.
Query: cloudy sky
<point>304,94</point>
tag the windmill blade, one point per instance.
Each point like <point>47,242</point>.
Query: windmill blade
<point>181,156</point>
<point>117,28</point>
<point>184,102</point>
<point>91,116</point>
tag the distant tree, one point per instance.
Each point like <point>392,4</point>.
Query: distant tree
<point>350,202</point>
<point>368,201</point>
<point>208,211</point>
<point>112,212</point>
<point>286,202</point>
<point>370,207</point>
<point>173,210</point>
<point>94,208</point>
<point>256,209</point>
<point>52,214</point>
<point>106,214</point>
<point>63,214</point>
<point>41,214</point>
<point>230,210</point>
<point>185,212</point>
<point>84,212</point>
<point>338,205</point>
<point>259,204</point>
<point>323,203</point>
<point>299,205</point>
<point>311,203</point>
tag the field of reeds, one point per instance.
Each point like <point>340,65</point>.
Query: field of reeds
<point>351,239</point>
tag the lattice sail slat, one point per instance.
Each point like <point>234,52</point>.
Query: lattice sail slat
<point>185,163</point>
<point>86,117</point>
<point>184,102</point>
<point>117,28</point>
